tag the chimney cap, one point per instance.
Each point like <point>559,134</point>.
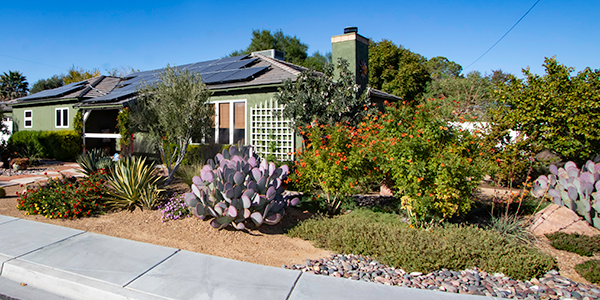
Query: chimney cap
<point>351,29</point>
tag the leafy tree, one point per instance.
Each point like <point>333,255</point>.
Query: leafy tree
<point>322,98</point>
<point>441,67</point>
<point>74,75</point>
<point>47,84</point>
<point>13,85</point>
<point>468,97</point>
<point>172,111</point>
<point>557,111</point>
<point>317,61</point>
<point>397,70</point>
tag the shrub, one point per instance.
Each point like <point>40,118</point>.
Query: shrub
<point>134,184</point>
<point>64,145</point>
<point>435,167</point>
<point>581,244</point>
<point>590,270</point>
<point>235,187</point>
<point>392,242</point>
<point>187,172</point>
<point>332,165</point>
<point>2,192</point>
<point>64,197</point>
<point>175,208</point>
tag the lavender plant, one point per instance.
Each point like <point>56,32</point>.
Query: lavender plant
<point>175,208</point>
<point>237,186</point>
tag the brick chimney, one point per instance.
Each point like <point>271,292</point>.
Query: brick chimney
<point>354,48</point>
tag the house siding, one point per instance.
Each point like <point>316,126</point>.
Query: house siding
<point>43,117</point>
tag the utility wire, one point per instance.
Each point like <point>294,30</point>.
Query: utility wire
<point>35,62</point>
<point>488,50</point>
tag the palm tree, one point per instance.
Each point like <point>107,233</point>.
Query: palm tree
<point>13,85</point>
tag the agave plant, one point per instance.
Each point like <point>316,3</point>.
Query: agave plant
<point>92,161</point>
<point>576,189</point>
<point>235,187</point>
<point>134,184</point>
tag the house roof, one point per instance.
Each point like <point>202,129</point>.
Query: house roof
<point>243,71</point>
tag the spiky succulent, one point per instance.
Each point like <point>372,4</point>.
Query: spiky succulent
<point>576,189</point>
<point>237,186</point>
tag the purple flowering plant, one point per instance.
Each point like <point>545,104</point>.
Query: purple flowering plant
<point>175,208</point>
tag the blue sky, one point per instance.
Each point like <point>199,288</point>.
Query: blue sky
<point>43,38</point>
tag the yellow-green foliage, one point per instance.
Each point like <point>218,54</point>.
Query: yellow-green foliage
<point>394,243</point>
<point>590,270</point>
<point>64,145</point>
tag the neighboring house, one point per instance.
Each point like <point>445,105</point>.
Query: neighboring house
<point>243,91</point>
<point>6,121</point>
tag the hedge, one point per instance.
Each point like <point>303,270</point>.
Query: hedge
<point>63,145</point>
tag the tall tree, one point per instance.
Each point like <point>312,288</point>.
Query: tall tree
<point>76,75</point>
<point>397,70</point>
<point>172,111</point>
<point>324,99</point>
<point>13,85</point>
<point>441,67</point>
<point>557,111</point>
<point>47,84</point>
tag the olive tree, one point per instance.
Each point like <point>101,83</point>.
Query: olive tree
<point>172,110</point>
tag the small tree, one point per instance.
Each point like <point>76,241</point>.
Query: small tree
<point>172,111</point>
<point>314,96</point>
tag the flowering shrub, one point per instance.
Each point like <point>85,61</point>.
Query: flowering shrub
<point>65,198</point>
<point>331,163</point>
<point>435,167</point>
<point>175,208</point>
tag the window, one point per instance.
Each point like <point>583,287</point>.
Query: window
<point>62,117</point>
<point>28,119</point>
<point>231,122</point>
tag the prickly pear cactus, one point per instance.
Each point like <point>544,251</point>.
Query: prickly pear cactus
<point>237,186</point>
<point>576,189</point>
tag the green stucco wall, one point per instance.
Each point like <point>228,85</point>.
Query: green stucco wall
<point>356,52</point>
<point>43,116</point>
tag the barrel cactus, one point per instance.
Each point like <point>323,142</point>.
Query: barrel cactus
<point>576,189</point>
<point>237,186</point>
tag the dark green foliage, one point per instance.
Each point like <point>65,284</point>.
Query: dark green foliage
<point>63,145</point>
<point>392,242</point>
<point>397,70</point>
<point>324,99</point>
<point>13,85</point>
<point>441,67</point>
<point>47,84</point>
<point>581,244</point>
<point>590,270</point>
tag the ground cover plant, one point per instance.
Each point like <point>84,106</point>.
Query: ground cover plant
<point>456,247</point>
<point>577,243</point>
<point>65,198</point>
<point>590,270</point>
<point>175,208</point>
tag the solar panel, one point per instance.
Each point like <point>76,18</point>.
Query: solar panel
<point>63,90</point>
<point>219,76</point>
<point>244,74</point>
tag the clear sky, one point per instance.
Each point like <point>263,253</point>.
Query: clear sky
<point>43,38</point>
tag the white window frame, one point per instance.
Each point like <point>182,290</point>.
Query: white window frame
<point>26,118</point>
<point>62,123</point>
<point>231,120</point>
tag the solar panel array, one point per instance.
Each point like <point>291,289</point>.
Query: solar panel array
<point>57,92</point>
<point>222,70</point>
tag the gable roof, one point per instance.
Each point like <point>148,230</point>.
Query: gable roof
<point>254,70</point>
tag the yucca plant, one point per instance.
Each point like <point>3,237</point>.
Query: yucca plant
<point>134,184</point>
<point>93,160</point>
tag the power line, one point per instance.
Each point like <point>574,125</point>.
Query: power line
<point>488,50</point>
<point>35,62</point>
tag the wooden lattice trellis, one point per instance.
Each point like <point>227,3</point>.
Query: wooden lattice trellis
<point>268,127</point>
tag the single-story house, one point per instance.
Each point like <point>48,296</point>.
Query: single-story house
<point>243,91</point>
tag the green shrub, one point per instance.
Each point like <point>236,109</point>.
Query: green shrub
<point>63,145</point>
<point>590,270</point>
<point>65,198</point>
<point>392,242</point>
<point>187,172</point>
<point>134,184</point>
<point>92,161</point>
<point>577,243</point>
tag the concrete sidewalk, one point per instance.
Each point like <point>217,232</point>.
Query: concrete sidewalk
<point>83,265</point>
